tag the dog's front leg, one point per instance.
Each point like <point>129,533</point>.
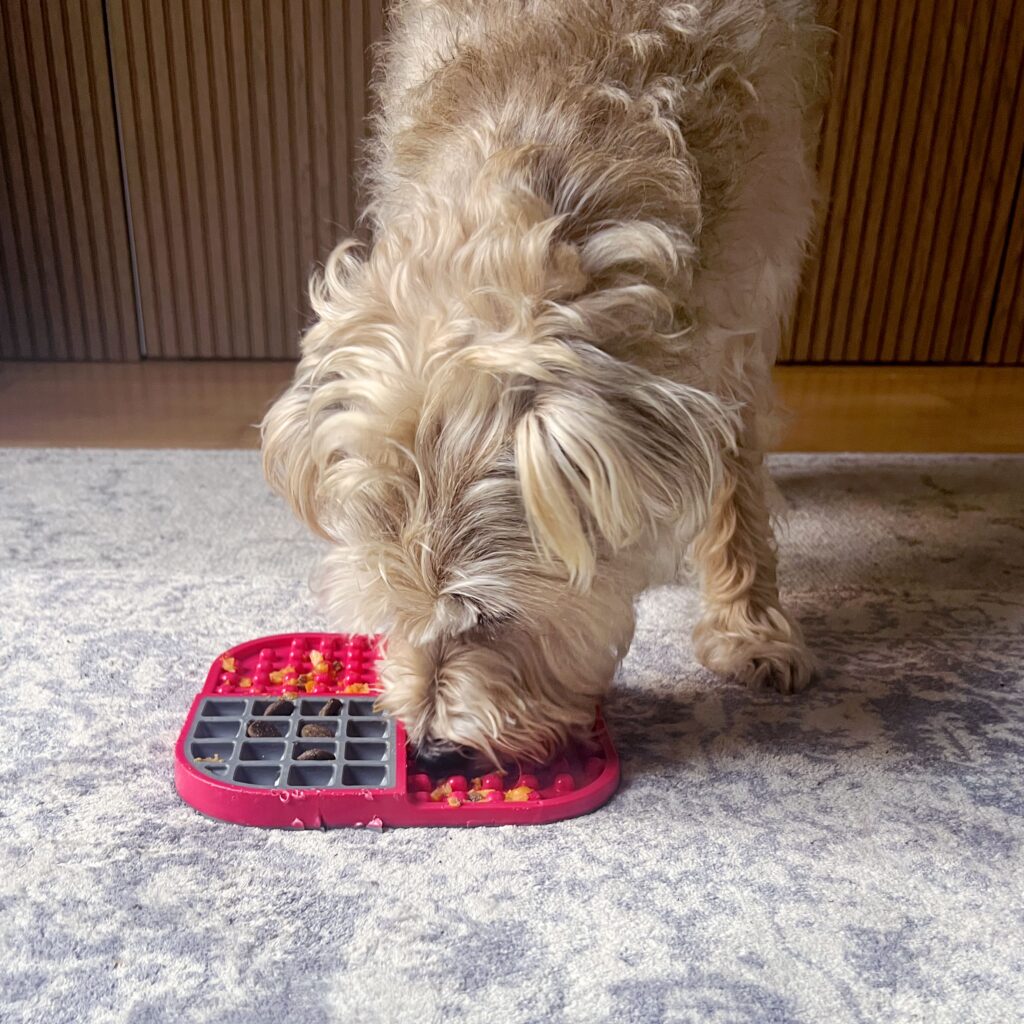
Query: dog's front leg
<point>744,632</point>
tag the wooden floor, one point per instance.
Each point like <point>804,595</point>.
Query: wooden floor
<point>217,405</point>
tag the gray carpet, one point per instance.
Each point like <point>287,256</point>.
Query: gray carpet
<point>854,854</point>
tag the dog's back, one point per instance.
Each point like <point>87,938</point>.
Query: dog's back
<point>694,119</point>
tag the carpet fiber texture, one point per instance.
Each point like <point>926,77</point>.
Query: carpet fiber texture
<point>851,854</point>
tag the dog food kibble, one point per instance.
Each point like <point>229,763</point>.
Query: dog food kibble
<point>314,730</point>
<point>228,664</point>
<point>442,792</point>
<point>315,755</point>
<point>280,707</point>
<point>485,796</point>
<point>262,729</point>
<point>332,707</point>
<point>520,794</point>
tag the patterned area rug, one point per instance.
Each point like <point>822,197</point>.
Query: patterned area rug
<point>853,854</point>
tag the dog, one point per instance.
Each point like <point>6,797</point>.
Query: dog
<point>545,386</point>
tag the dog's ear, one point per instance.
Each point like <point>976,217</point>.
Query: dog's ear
<point>607,451</point>
<point>333,442</point>
<point>340,464</point>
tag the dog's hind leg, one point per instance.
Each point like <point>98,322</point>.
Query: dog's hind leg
<point>744,631</point>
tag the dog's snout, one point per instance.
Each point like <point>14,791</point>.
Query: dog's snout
<point>435,749</point>
<point>442,757</point>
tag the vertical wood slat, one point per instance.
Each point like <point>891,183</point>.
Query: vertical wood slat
<point>1006,336</point>
<point>66,289</point>
<point>908,122</point>
<point>921,148</point>
<point>241,123</point>
<point>939,177</point>
<point>866,164</point>
<point>993,262</point>
<point>897,34</point>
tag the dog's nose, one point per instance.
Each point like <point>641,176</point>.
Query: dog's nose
<point>443,758</point>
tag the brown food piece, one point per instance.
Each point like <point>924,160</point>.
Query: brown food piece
<point>332,707</point>
<point>262,729</point>
<point>312,729</point>
<point>280,707</point>
<point>315,755</point>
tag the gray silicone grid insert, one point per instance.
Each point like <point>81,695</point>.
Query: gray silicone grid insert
<point>363,744</point>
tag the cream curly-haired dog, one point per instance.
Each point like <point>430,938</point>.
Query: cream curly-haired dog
<point>547,380</point>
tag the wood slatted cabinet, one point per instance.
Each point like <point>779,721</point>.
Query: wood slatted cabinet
<point>66,288</point>
<point>172,170</point>
<point>241,121</point>
<point>918,257</point>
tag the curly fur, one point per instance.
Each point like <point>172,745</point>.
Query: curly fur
<point>549,374</point>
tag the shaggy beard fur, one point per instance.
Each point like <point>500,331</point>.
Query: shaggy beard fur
<point>549,375</point>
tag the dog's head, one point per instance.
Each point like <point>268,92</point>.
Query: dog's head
<point>492,485</point>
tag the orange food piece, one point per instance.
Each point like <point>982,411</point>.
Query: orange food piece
<point>519,794</point>
<point>316,659</point>
<point>442,791</point>
<point>310,685</point>
<point>454,801</point>
<point>245,683</point>
<point>228,664</point>
<point>476,795</point>
<point>277,677</point>
<point>357,688</point>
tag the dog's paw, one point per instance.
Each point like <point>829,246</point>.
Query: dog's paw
<point>759,647</point>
